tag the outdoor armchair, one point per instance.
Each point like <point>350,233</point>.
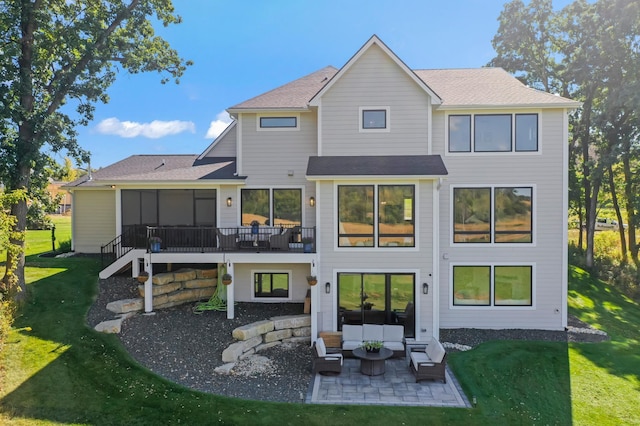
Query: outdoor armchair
<point>429,363</point>
<point>322,361</point>
<point>227,242</point>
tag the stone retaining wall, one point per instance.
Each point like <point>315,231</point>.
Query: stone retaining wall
<point>182,286</point>
<point>172,289</point>
<point>265,334</point>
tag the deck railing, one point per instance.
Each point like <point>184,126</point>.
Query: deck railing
<point>207,239</point>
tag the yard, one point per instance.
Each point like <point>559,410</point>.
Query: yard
<point>56,370</point>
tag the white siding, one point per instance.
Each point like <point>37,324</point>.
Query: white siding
<point>375,81</point>
<point>94,220</point>
<point>543,171</point>
<point>389,260</point>
<point>225,147</point>
<point>298,285</point>
<point>269,156</point>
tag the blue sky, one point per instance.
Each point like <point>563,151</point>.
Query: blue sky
<point>243,48</point>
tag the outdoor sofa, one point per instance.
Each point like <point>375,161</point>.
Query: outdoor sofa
<point>392,337</point>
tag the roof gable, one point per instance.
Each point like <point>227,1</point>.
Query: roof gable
<point>374,40</point>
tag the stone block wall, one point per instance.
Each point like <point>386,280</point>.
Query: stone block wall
<point>259,335</point>
<point>182,286</point>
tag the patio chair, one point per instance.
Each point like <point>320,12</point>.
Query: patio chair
<point>280,241</point>
<point>429,363</point>
<point>227,242</point>
<point>323,362</point>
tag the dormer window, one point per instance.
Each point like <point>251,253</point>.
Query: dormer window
<point>374,119</point>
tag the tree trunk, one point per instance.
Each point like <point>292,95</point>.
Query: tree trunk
<point>616,207</point>
<point>591,223</point>
<point>630,203</point>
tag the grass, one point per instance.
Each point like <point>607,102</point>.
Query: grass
<point>58,371</point>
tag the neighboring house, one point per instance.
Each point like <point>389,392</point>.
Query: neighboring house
<point>55,189</point>
<point>434,198</point>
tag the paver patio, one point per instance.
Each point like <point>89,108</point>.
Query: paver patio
<point>397,386</point>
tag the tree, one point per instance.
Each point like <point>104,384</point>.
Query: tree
<point>58,59</point>
<point>590,53</point>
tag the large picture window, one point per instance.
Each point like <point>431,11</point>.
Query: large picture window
<point>274,206</point>
<point>368,217</point>
<point>271,285</point>
<point>493,215</point>
<point>493,133</point>
<point>492,285</point>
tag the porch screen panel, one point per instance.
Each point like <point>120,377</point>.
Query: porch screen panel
<point>287,207</point>
<point>131,207</point>
<point>205,207</point>
<point>149,207</point>
<point>176,207</point>
<point>355,215</point>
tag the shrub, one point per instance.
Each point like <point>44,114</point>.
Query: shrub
<point>64,246</point>
<point>37,216</point>
<point>6,319</point>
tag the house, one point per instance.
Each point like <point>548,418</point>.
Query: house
<point>432,198</point>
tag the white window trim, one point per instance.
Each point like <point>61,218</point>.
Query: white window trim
<point>387,110</point>
<point>271,299</point>
<point>493,307</point>
<point>278,129</point>
<point>534,215</point>
<point>416,213</point>
<point>492,153</point>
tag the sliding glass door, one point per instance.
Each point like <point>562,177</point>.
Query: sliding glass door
<point>376,298</point>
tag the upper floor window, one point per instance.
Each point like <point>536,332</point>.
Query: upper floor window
<point>493,133</point>
<point>374,119</point>
<point>360,205</point>
<point>277,206</point>
<point>493,214</point>
<point>278,122</point>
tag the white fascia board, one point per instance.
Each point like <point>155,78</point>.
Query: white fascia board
<point>376,177</point>
<point>266,110</point>
<point>569,105</point>
<point>167,184</point>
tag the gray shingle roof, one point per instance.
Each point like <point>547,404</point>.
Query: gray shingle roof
<point>158,168</point>
<point>485,87</point>
<point>389,165</point>
<point>292,95</point>
<point>471,87</point>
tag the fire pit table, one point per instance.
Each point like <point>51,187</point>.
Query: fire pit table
<point>372,363</point>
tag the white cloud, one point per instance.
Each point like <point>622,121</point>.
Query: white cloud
<point>154,130</point>
<point>218,125</point>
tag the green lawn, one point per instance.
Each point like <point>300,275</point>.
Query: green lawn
<point>56,370</point>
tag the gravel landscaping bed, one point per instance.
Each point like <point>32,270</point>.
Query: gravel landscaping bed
<point>186,348</point>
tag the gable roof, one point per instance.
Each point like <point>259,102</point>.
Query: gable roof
<point>293,95</point>
<point>435,99</point>
<point>453,88</point>
<point>221,136</point>
<point>487,87</point>
<point>372,165</point>
<point>161,168</point>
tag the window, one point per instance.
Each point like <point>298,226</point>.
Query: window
<point>493,214</point>
<point>360,205</point>
<point>278,122</point>
<point>492,285</point>
<point>526,132</point>
<point>374,119</point>
<point>272,206</point>
<point>460,133</point>
<point>271,285</point>
<point>493,133</point>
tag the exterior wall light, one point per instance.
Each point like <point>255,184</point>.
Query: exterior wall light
<point>312,201</point>
<point>327,288</point>
<point>229,202</point>
<point>425,288</point>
